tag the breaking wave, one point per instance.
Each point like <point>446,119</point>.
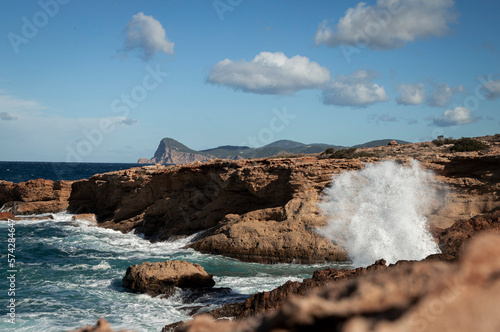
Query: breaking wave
<point>380,212</point>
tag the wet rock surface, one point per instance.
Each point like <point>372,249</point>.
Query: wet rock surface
<point>162,278</point>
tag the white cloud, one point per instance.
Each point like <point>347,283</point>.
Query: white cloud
<point>12,104</point>
<point>147,36</point>
<point>455,117</point>
<point>442,93</point>
<point>7,116</point>
<point>356,89</point>
<point>127,121</point>
<point>411,94</point>
<point>491,90</point>
<point>389,23</point>
<point>270,73</point>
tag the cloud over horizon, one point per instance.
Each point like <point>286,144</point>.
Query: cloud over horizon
<point>389,24</point>
<point>270,73</point>
<point>355,89</point>
<point>442,93</point>
<point>491,90</point>
<point>147,36</point>
<point>411,94</point>
<point>455,117</point>
<point>415,94</point>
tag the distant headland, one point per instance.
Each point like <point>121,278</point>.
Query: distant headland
<point>171,151</point>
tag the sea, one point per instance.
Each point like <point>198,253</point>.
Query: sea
<point>67,274</point>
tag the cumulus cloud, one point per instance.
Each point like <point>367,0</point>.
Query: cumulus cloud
<point>411,94</point>
<point>7,116</point>
<point>270,73</point>
<point>455,117</point>
<point>389,23</point>
<point>491,90</point>
<point>147,36</point>
<point>356,89</point>
<point>442,93</point>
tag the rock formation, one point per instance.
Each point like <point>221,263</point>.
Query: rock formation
<point>85,217</point>
<point>171,152</point>
<point>409,296</point>
<point>265,210</point>
<point>35,196</point>
<point>262,210</point>
<point>453,239</point>
<point>162,278</point>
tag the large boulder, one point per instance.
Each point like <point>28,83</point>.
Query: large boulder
<point>161,278</point>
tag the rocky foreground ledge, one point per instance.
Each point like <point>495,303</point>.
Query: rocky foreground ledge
<point>262,210</point>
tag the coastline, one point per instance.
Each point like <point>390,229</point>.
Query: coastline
<point>264,210</point>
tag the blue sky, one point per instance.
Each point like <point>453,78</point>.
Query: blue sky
<point>106,80</point>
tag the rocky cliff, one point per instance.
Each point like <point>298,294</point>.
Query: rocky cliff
<point>262,210</point>
<point>265,210</point>
<point>35,196</point>
<point>171,152</point>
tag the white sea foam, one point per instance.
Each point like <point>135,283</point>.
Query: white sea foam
<point>72,271</point>
<point>251,285</point>
<point>380,212</point>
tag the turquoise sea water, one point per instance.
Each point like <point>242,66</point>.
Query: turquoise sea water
<point>68,274</point>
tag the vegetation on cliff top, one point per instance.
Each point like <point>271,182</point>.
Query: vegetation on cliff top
<point>347,153</point>
<point>464,144</point>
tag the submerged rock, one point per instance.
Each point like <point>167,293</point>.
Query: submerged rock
<point>162,278</point>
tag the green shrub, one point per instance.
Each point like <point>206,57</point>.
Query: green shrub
<point>329,151</point>
<point>284,154</point>
<point>347,153</point>
<point>466,144</point>
<point>441,140</point>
